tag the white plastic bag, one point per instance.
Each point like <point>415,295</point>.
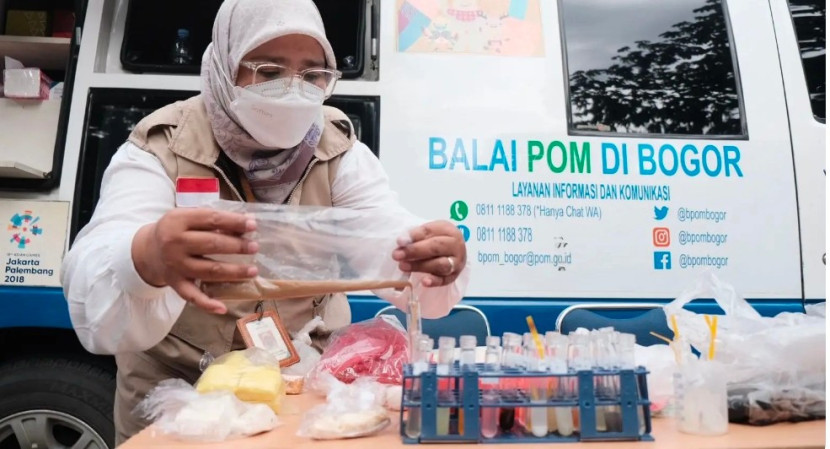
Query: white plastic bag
<point>351,411</point>
<point>775,366</point>
<point>659,360</point>
<point>178,410</point>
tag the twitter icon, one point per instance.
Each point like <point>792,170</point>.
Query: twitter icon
<point>661,212</point>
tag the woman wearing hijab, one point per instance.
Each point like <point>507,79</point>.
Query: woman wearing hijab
<point>259,126</point>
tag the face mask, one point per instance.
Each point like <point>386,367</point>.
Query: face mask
<point>277,118</point>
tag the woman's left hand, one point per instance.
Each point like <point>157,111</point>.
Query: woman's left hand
<point>437,249</point>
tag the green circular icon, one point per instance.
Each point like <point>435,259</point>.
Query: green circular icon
<point>459,210</point>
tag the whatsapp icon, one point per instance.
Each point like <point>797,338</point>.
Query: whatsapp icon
<point>459,211</point>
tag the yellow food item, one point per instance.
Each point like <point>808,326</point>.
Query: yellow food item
<point>249,382</point>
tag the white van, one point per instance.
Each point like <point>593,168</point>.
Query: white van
<point>590,150</point>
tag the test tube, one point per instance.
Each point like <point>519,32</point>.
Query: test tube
<point>558,346</point>
<point>510,359</point>
<point>626,344</point>
<point>446,358</point>
<point>489,387</point>
<point>537,417</point>
<point>467,361</point>
<point>550,348</point>
<point>608,418</point>
<point>530,362</point>
<point>413,323</point>
<point>419,354</point>
<point>579,359</point>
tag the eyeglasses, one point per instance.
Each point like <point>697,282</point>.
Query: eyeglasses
<point>324,79</point>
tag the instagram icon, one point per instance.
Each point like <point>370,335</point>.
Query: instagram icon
<point>661,237</point>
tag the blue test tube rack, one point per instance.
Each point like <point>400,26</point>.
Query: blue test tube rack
<point>421,394</point>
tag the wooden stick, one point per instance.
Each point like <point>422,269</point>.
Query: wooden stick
<point>278,289</point>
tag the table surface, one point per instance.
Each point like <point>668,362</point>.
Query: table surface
<point>780,436</point>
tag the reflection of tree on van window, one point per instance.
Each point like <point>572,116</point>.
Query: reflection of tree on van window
<point>683,83</point>
<point>809,18</point>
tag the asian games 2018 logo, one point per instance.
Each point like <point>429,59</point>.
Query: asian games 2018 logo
<point>24,227</point>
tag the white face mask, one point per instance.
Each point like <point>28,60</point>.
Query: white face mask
<point>274,117</point>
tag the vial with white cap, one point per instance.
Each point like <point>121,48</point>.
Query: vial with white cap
<point>446,358</point>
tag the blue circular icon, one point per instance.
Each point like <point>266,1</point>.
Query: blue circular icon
<point>465,231</point>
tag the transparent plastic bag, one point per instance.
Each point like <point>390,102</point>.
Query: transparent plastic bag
<point>307,251</point>
<point>351,411</point>
<point>775,366</point>
<point>178,410</point>
<point>252,374</point>
<point>376,349</point>
<point>295,374</point>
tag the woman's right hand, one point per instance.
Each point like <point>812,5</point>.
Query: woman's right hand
<point>170,252</point>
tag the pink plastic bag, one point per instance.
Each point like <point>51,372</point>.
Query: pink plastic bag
<point>375,348</point>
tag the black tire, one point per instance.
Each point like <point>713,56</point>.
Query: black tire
<point>74,389</point>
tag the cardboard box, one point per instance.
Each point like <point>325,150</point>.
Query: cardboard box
<point>26,23</point>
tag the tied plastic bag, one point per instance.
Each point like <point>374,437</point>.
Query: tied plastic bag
<point>374,349</point>
<point>659,360</point>
<point>253,375</point>
<point>178,410</point>
<point>294,375</point>
<point>351,411</point>
<point>775,367</point>
<point>308,251</point>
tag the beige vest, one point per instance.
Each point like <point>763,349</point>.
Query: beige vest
<point>180,136</point>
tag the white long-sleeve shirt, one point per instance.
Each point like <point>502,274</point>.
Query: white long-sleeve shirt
<point>113,310</point>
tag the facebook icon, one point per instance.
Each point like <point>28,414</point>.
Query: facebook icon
<point>662,260</point>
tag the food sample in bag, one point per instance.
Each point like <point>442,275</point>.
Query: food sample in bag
<point>309,251</point>
<point>293,384</point>
<point>253,375</point>
<point>351,411</point>
<point>374,349</point>
<point>330,426</point>
<point>178,410</point>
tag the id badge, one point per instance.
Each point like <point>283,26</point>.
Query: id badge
<point>266,331</point>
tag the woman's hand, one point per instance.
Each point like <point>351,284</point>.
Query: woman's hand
<point>437,249</point>
<point>170,252</point>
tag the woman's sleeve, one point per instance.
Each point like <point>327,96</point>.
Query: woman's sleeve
<point>362,184</point>
<point>112,309</point>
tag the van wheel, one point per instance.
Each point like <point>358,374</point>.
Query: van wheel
<point>55,403</point>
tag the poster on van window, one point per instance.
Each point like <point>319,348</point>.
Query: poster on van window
<point>490,27</point>
<point>34,242</point>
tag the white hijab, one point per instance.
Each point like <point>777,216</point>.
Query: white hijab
<point>241,26</point>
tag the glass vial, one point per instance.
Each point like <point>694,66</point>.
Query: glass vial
<point>446,358</point>
<point>467,361</point>
<point>420,364</point>
<point>489,388</point>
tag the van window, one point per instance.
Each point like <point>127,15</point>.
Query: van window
<point>664,67</point>
<point>809,20</point>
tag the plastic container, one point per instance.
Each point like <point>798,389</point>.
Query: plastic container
<point>701,398</point>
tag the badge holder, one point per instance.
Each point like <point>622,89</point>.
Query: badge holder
<point>265,330</point>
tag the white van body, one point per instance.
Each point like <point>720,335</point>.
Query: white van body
<point>591,151</point>
<point>563,212</point>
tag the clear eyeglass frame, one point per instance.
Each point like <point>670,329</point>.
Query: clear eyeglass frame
<point>324,79</point>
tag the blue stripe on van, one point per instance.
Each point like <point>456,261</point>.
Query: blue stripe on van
<point>33,307</point>
<point>509,314</point>
<point>46,307</point>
